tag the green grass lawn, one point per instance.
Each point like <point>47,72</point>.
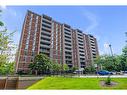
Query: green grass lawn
<point>77,83</point>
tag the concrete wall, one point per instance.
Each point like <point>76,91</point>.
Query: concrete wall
<point>18,82</point>
<point>2,83</point>
<point>25,82</point>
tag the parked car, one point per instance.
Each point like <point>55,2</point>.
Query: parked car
<point>125,72</point>
<point>114,72</point>
<point>104,72</point>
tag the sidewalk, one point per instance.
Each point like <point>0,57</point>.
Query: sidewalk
<point>98,76</point>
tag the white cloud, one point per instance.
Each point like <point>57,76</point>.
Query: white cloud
<point>3,7</point>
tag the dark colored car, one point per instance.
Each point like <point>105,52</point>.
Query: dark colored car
<point>125,72</point>
<point>104,72</point>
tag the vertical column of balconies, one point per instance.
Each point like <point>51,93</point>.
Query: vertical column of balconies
<point>81,52</point>
<point>68,45</point>
<point>45,38</point>
<point>93,49</point>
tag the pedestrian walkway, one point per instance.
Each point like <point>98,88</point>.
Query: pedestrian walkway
<point>98,76</point>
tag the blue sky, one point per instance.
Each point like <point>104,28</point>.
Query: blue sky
<point>107,23</point>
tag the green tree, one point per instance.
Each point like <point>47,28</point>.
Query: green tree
<point>56,67</point>
<point>1,23</point>
<point>73,69</point>
<point>124,51</point>
<point>109,63</point>
<point>42,64</point>
<point>100,60</point>
<point>89,70</point>
<point>5,41</point>
<point>112,63</point>
<point>65,67</point>
<point>7,68</point>
<point>124,58</point>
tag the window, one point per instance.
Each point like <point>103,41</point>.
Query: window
<point>27,41</point>
<point>24,58</point>
<point>32,54</point>
<point>26,46</point>
<point>31,60</point>
<point>33,48</point>
<point>25,52</point>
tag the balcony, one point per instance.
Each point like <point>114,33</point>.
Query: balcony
<point>80,37</point>
<point>68,37</point>
<point>68,44</point>
<point>45,17</point>
<point>45,50</point>
<point>47,22</point>
<point>45,38</point>
<point>45,33</point>
<point>45,42</point>
<point>68,40</point>
<point>46,25</point>
<point>45,46</point>
<point>66,33</point>
<point>81,47</point>
<point>46,28</point>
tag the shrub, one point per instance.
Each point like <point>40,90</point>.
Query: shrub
<point>108,80</point>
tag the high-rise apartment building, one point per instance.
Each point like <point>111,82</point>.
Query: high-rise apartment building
<point>60,42</point>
